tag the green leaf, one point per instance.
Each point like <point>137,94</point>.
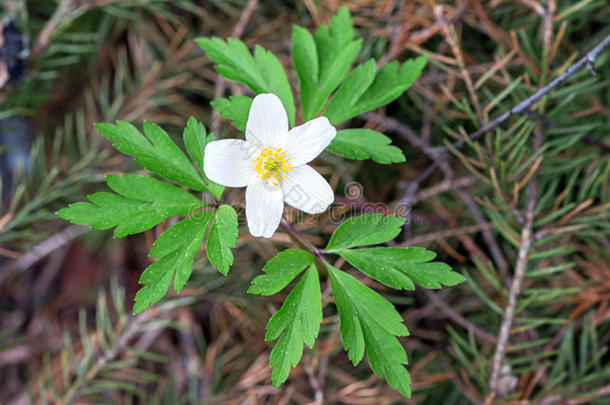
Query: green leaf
<point>433,275</point>
<point>305,59</point>
<point>276,79</point>
<point>365,144</point>
<point>370,322</point>
<point>360,92</point>
<point>262,73</point>
<point>368,229</point>
<point>142,203</point>
<point>156,152</point>
<point>400,267</point>
<point>233,60</point>
<point>176,248</point>
<point>235,109</point>
<point>280,271</point>
<point>222,237</point>
<point>353,87</point>
<point>195,140</point>
<point>299,319</point>
<point>322,63</point>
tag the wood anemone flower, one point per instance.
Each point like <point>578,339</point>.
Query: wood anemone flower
<point>272,164</point>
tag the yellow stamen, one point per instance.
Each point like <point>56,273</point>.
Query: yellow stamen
<point>272,165</point>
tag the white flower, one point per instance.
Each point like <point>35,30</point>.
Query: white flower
<point>272,164</point>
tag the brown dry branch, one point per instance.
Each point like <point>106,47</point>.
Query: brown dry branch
<point>587,61</point>
<point>447,233</point>
<point>457,318</point>
<point>441,187</point>
<point>39,252</point>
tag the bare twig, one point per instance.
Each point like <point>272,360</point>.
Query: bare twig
<point>244,18</point>
<point>301,240</point>
<point>41,251</point>
<point>409,199</point>
<point>442,187</point>
<point>587,61</point>
<point>516,285</point>
<point>22,352</point>
<point>401,129</point>
<point>315,384</point>
<point>64,8</point>
<point>448,233</point>
<point>459,384</point>
<point>515,290</point>
<point>457,318</point>
<point>413,187</point>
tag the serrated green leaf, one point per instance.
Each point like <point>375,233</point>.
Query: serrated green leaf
<point>176,248</point>
<point>195,139</point>
<point>235,109</point>
<point>368,229</point>
<point>389,83</point>
<point>280,271</point>
<point>387,263</point>
<point>307,65</point>
<point>433,275</point>
<point>365,144</point>
<point>262,73</point>
<point>156,152</point>
<point>353,87</point>
<point>400,267</point>
<point>370,322</point>
<point>141,203</point>
<point>387,358</point>
<point>222,237</point>
<point>234,58</point>
<point>297,321</point>
<point>276,79</point>
<point>322,63</point>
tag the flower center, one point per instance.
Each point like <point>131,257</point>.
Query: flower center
<point>272,164</point>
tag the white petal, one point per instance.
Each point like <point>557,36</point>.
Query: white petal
<point>303,143</point>
<point>264,208</point>
<point>267,120</point>
<point>307,190</point>
<point>229,162</point>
